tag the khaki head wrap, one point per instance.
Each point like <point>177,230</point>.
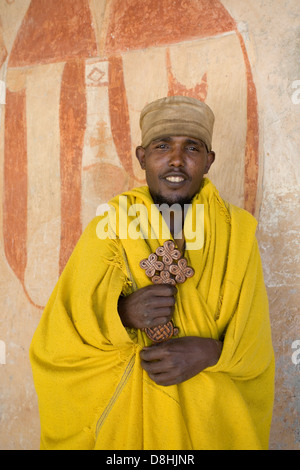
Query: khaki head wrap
<point>177,116</point>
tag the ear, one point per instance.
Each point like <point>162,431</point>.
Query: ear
<point>140,155</point>
<point>210,159</point>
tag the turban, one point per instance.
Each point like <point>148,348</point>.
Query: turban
<point>177,116</point>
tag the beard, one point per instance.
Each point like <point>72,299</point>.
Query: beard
<point>175,212</point>
<point>158,199</point>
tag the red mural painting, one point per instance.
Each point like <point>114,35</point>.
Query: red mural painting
<point>54,32</point>
<point>175,88</point>
<point>164,22</point>
<point>51,32</point>
<point>252,140</point>
<point>61,31</point>
<point>3,51</point>
<point>119,115</point>
<point>15,188</point>
<point>72,128</point>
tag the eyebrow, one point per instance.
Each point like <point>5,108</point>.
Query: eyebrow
<point>188,141</point>
<point>195,142</point>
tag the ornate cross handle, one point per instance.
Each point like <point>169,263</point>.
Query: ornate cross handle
<point>172,268</point>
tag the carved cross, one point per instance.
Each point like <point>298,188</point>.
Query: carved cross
<point>171,269</point>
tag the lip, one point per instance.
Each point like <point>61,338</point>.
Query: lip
<point>174,179</point>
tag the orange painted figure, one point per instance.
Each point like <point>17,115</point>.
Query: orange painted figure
<point>106,72</point>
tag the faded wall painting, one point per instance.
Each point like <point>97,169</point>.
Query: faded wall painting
<point>74,76</point>
<point>74,93</point>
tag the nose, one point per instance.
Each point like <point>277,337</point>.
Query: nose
<point>177,156</point>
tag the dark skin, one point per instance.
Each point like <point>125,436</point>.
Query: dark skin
<point>174,168</point>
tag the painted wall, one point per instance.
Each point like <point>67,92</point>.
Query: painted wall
<point>73,79</point>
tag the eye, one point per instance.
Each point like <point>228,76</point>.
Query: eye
<point>194,147</point>
<point>191,148</point>
<point>161,146</point>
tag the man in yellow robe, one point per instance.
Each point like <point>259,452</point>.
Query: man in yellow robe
<point>101,382</point>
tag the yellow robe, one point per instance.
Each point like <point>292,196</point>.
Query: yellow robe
<point>92,391</point>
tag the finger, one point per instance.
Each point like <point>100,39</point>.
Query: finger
<point>160,312</point>
<point>156,367</point>
<point>153,353</point>
<point>162,301</point>
<point>160,374</point>
<point>160,321</point>
<point>165,379</point>
<point>163,290</point>
<point>156,316</point>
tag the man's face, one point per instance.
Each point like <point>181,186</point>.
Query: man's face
<point>174,168</point>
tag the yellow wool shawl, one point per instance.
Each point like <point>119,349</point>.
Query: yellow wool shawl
<point>92,391</point>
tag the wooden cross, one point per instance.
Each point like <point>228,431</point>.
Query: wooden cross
<point>172,268</point>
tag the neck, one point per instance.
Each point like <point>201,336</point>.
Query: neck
<point>175,222</point>
<point>174,215</point>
